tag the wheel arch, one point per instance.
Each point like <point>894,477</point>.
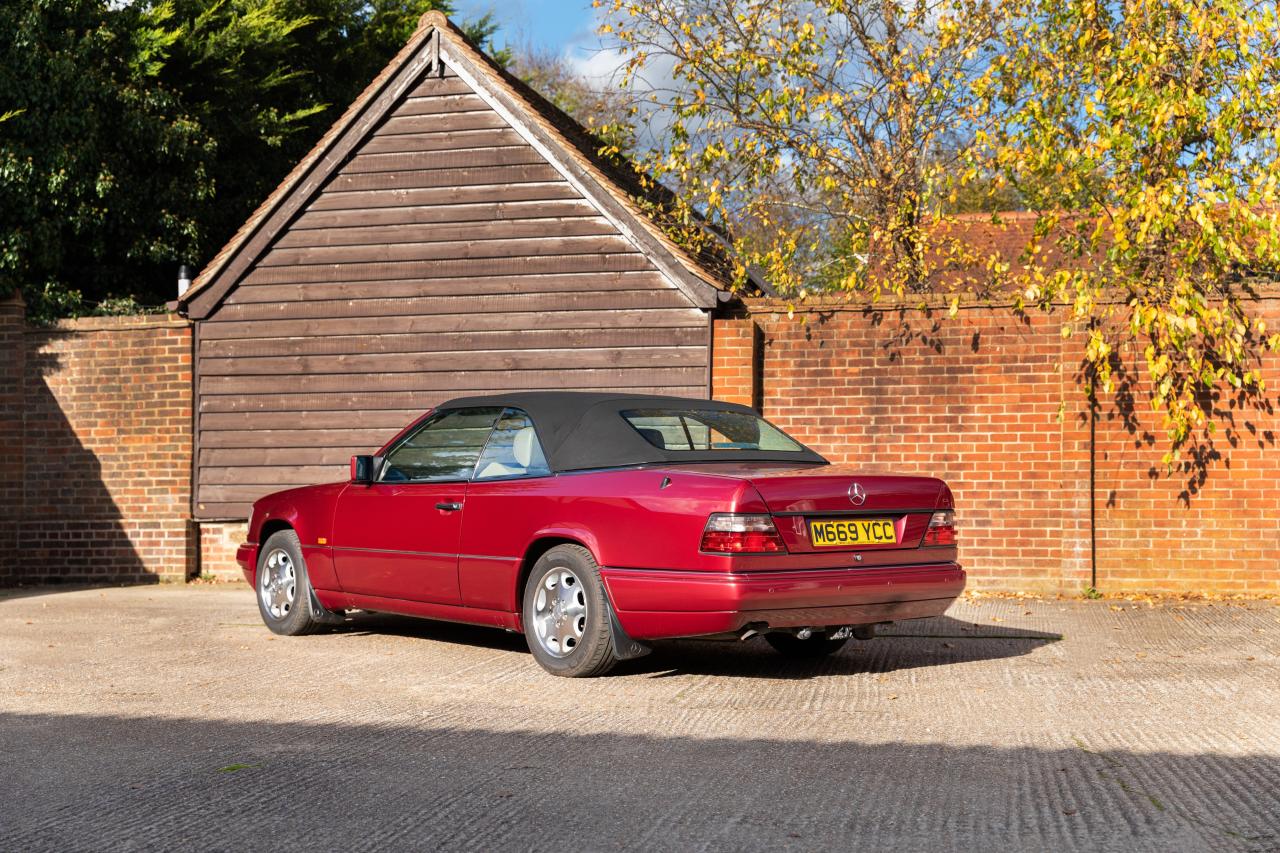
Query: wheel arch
<point>540,545</point>
<point>272,526</point>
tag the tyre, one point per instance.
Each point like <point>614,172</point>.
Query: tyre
<point>566,614</point>
<point>814,647</point>
<point>284,593</point>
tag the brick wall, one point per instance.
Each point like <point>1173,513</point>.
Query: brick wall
<point>12,370</point>
<point>100,429</point>
<point>991,404</point>
<point>218,543</point>
<point>735,361</point>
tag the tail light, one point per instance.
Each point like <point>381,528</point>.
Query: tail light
<point>942,529</point>
<point>737,533</point>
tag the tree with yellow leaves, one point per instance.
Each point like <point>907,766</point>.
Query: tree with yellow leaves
<point>1147,136</point>
<point>835,137</point>
<point>820,134</point>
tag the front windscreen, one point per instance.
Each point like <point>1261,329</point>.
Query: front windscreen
<point>709,430</point>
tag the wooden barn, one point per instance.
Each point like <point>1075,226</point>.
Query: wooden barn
<point>453,232</point>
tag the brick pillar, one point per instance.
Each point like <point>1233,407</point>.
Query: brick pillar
<point>1078,493</point>
<point>735,367</point>
<point>13,359</point>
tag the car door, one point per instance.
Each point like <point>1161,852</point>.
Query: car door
<point>398,537</point>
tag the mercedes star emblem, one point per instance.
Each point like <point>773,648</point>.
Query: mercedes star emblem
<point>857,494</point>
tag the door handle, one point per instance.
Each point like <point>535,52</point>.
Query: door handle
<point>449,507</point>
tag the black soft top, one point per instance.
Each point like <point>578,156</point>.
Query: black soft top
<point>580,430</point>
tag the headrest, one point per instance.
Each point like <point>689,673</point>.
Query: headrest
<point>522,446</point>
<point>653,436</point>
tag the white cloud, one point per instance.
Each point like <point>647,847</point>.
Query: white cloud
<point>599,62</point>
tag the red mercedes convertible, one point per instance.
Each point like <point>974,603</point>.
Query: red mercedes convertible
<point>595,523</point>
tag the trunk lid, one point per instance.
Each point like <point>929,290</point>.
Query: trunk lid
<point>802,500</point>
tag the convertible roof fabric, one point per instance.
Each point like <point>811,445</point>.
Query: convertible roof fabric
<point>581,430</point>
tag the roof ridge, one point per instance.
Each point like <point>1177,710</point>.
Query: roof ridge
<point>553,122</point>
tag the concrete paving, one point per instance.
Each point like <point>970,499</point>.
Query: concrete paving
<point>169,718</point>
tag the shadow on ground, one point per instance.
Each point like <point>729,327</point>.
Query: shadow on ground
<point>108,782</point>
<point>920,643</point>
<point>66,526</point>
<point>9,593</point>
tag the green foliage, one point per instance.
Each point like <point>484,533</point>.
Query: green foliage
<point>136,136</point>
<point>100,165</point>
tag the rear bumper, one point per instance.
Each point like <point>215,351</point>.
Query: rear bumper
<point>247,557</point>
<point>653,604</point>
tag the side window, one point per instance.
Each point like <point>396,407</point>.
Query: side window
<point>446,447</point>
<point>708,429</point>
<point>513,449</point>
<point>662,429</point>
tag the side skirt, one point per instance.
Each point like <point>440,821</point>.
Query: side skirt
<point>423,609</point>
<point>624,647</point>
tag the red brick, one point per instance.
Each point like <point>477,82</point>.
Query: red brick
<point>986,420</point>
<point>102,494</point>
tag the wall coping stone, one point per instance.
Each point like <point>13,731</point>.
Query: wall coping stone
<point>1265,292</point>
<point>124,322</point>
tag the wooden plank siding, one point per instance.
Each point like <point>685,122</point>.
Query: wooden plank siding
<point>445,257</point>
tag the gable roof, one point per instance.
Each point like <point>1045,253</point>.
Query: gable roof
<point>562,141</point>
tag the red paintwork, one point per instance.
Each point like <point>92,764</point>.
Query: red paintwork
<point>386,547</point>
<point>681,604</point>
<point>394,523</point>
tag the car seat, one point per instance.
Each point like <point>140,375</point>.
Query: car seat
<point>519,459</point>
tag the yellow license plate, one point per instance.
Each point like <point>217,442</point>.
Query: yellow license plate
<point>859,531</point>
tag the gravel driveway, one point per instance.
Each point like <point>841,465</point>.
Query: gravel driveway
<point>169,718</point>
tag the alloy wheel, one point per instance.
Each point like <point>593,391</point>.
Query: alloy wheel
<point>559,612</point>
<point>278,584</point>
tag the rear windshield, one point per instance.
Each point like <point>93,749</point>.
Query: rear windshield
<point>706,429</point>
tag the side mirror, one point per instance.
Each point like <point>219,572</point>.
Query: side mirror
<point>364,469</point>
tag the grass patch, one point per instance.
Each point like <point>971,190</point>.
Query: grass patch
<point>236,768</point>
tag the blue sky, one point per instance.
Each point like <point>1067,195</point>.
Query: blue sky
<point>562,27</point>
<point>565,28</point>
